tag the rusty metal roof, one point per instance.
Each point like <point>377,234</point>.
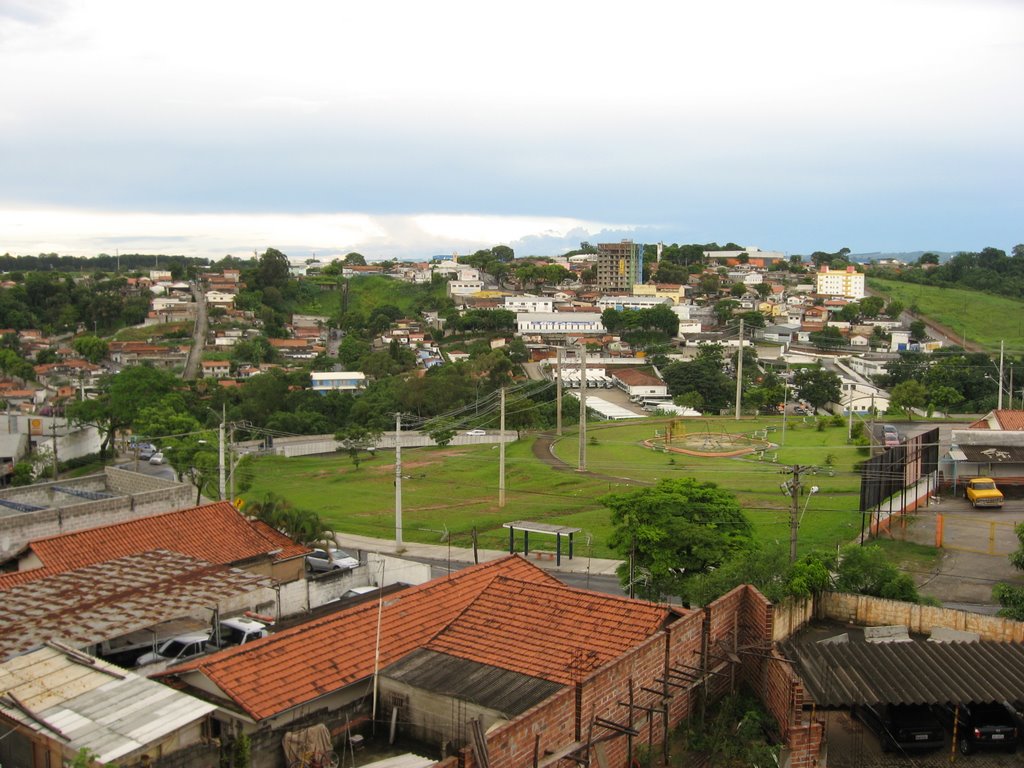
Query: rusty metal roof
<point>111,599</point>
<point>844,674</point>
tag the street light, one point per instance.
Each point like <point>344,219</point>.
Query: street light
<point>811,491</point>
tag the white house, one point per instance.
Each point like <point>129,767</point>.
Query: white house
<point>560,323</point>
<point>464,287</point>
<point>220,299</point>
<point>528,303</point>
<point>620,303</point>
<point>337,381</point>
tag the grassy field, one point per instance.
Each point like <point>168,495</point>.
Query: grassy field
<point>370,291</point>
<point>983,318</point>
<point>454,489</point>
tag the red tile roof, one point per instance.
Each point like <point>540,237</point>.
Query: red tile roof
<point>1010,420</point>
<point>489,612</point>
<point>634,377</point>
<point>581,630</point>
<point>216,533</point>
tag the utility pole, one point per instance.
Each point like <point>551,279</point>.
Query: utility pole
<point>398,481</point>
<point>582,464</point>
<point>849,426</point>
<point>558,391</point>
<point>739,373</point>
<point>220,453</point>
<point>794,511</point>
<point>501,454</point>
<point>53,433</point>
<point>999,405</point>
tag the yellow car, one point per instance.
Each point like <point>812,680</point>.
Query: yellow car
<point>982,492</point>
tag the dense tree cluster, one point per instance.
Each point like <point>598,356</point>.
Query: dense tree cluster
<point>58,303</point>
<point>951,379</point>
<point>989,270</point>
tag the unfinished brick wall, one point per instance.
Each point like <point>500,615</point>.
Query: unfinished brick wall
<point>736,633</point>
<point>553,721</point>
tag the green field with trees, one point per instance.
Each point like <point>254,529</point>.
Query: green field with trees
<point>984,318</point>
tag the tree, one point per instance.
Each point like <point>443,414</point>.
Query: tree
<point>674,532</point>
<point>92,348</point>
<point>865,570</point>
<point>354,260</point>
<point>704,375</point>
<point>908,395</point>
<point>356,439</point>
<point>894,309</point>
<point>301,525</point>
<point>768,569</point>
<point>818,386</point>
<point>1011,597</point>
<point>272,270</point>
<point>119,399</point>
<point>918,330</point>
<point>724,309</point>
<point>871,306</point>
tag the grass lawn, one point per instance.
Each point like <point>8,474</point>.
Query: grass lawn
<point>984,318</point>
<point>454,489</point>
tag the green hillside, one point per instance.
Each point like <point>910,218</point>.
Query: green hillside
<point>983,318</point>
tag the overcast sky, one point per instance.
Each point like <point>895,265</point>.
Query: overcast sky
<point>402,129</point>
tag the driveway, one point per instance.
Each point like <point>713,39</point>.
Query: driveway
<point>973,558</point>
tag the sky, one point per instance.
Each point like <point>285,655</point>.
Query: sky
<point>414,129</point>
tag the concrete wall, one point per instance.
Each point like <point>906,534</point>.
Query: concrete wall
<point>874,611</point>
<point>311,445</point>
<point>141,496</point>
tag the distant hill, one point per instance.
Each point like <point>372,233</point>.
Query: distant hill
<point>908,257</point>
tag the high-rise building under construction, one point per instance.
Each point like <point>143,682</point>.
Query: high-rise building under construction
<point>619,266</point>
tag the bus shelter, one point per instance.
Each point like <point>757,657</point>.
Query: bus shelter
<point>528,527</point>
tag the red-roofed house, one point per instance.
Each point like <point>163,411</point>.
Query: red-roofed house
<point>992,446</point>
<point>504,650</point>
<point>638,384</point>
<point>216,533</point>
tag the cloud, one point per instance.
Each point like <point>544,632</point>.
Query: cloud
<point>87,233</point>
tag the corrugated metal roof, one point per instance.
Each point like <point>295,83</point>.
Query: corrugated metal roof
<point>510,693</point>
<point>994,454</point>
<point>844,674</point>
<point>99,706</point>
<point>111,599</point>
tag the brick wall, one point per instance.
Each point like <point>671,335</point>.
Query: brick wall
<point>735,630</point>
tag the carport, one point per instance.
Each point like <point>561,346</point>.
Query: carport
<point>847,674</point>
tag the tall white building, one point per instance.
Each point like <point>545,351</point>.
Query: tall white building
<point>848,283</point>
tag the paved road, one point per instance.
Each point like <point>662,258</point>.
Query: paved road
<point>195,354</point>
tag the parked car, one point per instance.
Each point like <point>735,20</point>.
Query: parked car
<point>982,726</point>
<point>475,433</point>
<point>178,649</point>
<point>145,451</point>
<point>983,492</point>
<point>889,429</point>
<point>890,439</point>
<point>238,631</point>
<point>903,727</point>
<point>330,560</point>
<point>157,458</point>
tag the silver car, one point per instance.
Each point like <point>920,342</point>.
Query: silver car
<point>320,560</point>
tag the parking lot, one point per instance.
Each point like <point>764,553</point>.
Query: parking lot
<point>975,545</point>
